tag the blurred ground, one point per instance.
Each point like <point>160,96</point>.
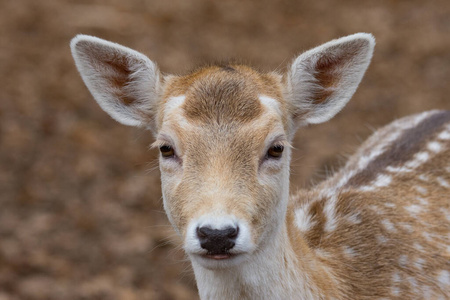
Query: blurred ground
<point>80,209</point>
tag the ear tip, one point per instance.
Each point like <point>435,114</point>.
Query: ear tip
<point>79,38</point>
<point>368,37</point>
<point>77,41</point>
<point>83,43</point>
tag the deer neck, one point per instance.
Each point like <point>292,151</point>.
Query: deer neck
<point>275,271</point>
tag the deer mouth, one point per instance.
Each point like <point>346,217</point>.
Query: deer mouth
<point>219,256</point>
<point>220,261</point>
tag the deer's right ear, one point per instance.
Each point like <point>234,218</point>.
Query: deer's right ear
<point>124,82</point>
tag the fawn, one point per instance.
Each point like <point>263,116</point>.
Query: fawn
<point>377,229</point>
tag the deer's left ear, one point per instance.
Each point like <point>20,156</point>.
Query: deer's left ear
<point>322,80</point>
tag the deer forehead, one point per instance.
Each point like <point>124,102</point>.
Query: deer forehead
<point>223,95</point>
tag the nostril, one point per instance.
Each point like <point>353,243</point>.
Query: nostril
<point>232,232</point>
<point>202,232</point>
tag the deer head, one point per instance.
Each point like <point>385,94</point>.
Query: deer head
<point>224,133</point>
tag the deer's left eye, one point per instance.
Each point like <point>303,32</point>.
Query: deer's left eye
<point>275,151</point>
<point>166,151</point>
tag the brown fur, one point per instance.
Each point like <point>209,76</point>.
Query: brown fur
<point>218,93</point>
<point>382,252</point>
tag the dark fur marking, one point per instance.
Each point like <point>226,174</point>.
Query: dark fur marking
<point>328,69</point>
<point>117,65</point>
<point>411,142</point>
<point>228,69</point>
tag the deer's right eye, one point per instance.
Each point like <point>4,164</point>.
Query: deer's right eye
<point>275,151</point>
<point>166,151</point>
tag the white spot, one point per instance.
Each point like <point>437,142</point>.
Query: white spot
<point>426,291</point>
<point>444,278</point>
<point>375,209</point>
<point>421,190</point>
<point>349,252</point>
<point>381,239</point>
<point>418,160</point>
<point>422,201</point>
<point>419,263</point>
<point>381,181</point>
<point>403,260</point>
<point>364,161</point>
<point>398,169</point>
<point>442,182</point>
<point>434,147</point>
<point>388,225</point>
<point>395,291</point>
<point>270,103</point>
<point>303,220</point>
<point>422,156</point>
<point>172,105</point>
<point>322,253</point>
<point>418,246</point>
<point>395,280</point>
<point>344,179</point>
<point>330,213</point>
<point>423,177</point>
<point>427,236</point>
<point>396,277</point>
<point>389,204</point>
<point>446,213</point>
<point>444,135</point>
<point>414,209</point>
<point>354,218</point>
<point>174,102</point>
<point>413,283</point>
<point>407,227</point>
<point>420,117</point>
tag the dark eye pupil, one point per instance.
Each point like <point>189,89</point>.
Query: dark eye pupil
<point>166,151</point>
<point>275,151</point>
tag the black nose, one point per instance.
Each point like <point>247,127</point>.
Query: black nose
<point>217,241</point>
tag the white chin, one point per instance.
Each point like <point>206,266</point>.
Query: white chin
<point>213,262</point>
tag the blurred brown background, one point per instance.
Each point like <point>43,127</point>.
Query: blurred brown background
<point>80,209</point>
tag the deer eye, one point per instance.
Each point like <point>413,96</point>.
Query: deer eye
<point>166,151</point>
<point>275,151</point>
